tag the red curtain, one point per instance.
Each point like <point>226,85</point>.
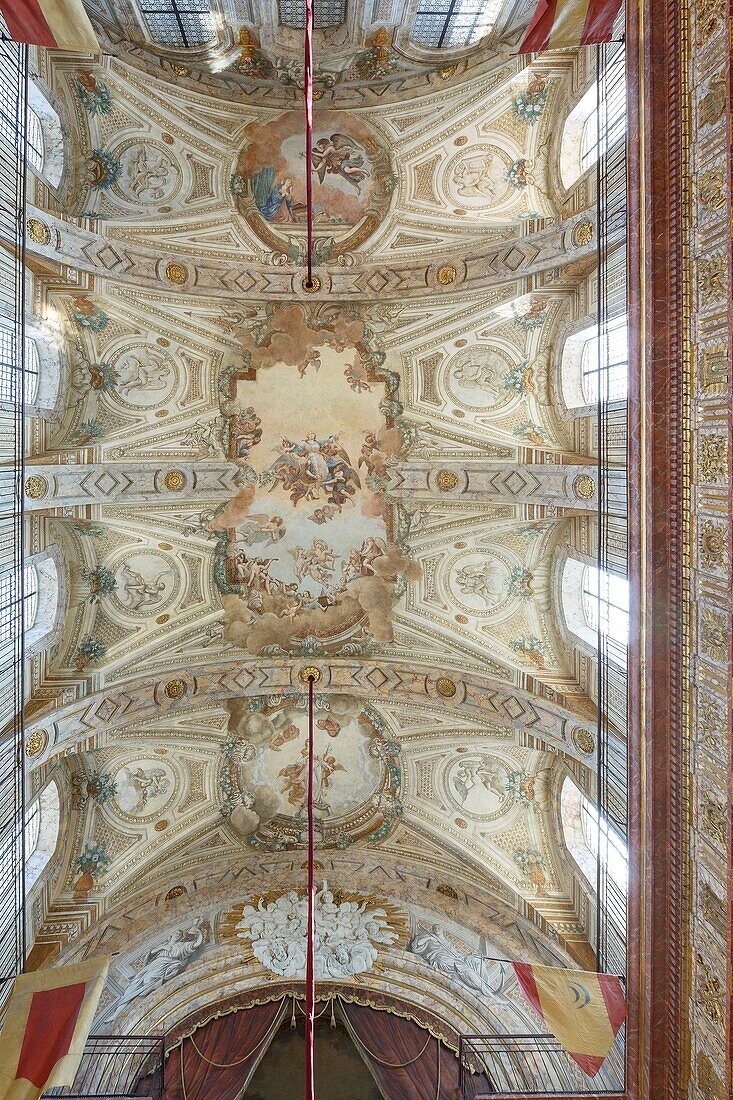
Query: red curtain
<point>224,1040</point>
<point>396,1040</point>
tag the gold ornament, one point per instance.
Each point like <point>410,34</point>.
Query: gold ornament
<point>311,286</point>
<point>584,741</point>
<point>175,892</point>
<point>180,70</point>
<point>713,542</point>
<point>248,43</point>
<point>162,825</point>
<point>162,618</point>
<point>583,233</point>
<point>38,231</point>
<point>36,487</point>
<point>448,71</point>
<point>710,993</point>
<point>447,891</point>
<point>446,275</point>
<point>712,277</point>
<point>309,675</point>
<point>584,487</point>
<point>36,743</point>
<point>714,368</point>
<point>174,481</point>
<point>445,687</point>
<point>714,635</point>
<point>714,819</point>
<point>714,457</point>
<point>176,273</point>
<point>175,689</point>
<point>446,481</point>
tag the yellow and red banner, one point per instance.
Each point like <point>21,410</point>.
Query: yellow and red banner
<point>561,24</point>
<point>48,1018</point>
<point>582,1009</point>
<point>60,24</point>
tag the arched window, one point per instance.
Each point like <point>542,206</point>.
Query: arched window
<point>41,601</point>
<point>30,597</point>
<point>605,364</point>
<point>10,599</point>
<point>456,24</point>
<point>41,833</point>
<point>592,127</point>
<point>44,137</point>
<point>595,599</point>
<point>591,839</point>
<point>596,363</point>
<point>10,368</point>
<point>606,608</point>
<point>185,23</point>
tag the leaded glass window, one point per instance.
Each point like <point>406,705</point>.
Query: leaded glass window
<point>453,23</point>
<point>179,22</point>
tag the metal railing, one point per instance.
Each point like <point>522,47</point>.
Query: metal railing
<point>528,1065</point>
<point>612,533</point>
<point>13,120</point>
<point>117,1068</point>
<point>536,1065</point>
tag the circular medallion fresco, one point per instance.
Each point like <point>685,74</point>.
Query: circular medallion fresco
<point>476,378</point>
<point>145,583</point>
<point>144,787</point>
<point>149,174</point>
<point>480,582</point>
<point>479,786</point>
<point>144,377</point>
<point>352,183</point>
<point>477,178</point>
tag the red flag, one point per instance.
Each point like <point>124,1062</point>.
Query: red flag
<point>55,23</point>
<point>582,1009</point>
<point>46,1026</point>
<point>561,24</point>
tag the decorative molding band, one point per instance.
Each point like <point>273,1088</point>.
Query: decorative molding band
<point>128,483</point>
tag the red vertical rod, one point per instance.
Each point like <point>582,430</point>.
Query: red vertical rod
<point>310,969</point>
<point>309,131</point>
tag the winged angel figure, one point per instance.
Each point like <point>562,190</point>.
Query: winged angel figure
<point>339,155</point>
<point>312,466</point>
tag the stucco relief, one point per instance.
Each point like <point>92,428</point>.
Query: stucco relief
<point>145,583</point>
<point>144,787</point>
<point>149,176</point>
<point>350,933</point>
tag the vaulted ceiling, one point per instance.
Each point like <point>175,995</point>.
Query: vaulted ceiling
<point>379,478</point>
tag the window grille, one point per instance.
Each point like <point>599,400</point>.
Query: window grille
<point>606,608</point>
<point>11,127</point>
<point>184,23</point>
<point>13,146</point>
<point>453,23</point>
<point>10,368</point>
<point>326,13</point>
<point>605,363</point>
<point>606,123</point>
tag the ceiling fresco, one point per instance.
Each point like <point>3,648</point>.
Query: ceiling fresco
<point>381,477</point>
